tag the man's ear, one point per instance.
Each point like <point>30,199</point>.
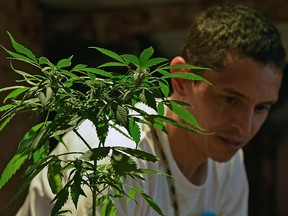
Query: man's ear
<point>178,84</point>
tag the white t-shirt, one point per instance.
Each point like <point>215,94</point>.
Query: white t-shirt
<point>224,193</point>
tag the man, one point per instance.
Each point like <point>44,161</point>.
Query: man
<point>246,58</point>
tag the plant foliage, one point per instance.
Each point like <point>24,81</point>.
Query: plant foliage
<point>108,102</point>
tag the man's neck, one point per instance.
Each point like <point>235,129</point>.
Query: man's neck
<point>188,158</point>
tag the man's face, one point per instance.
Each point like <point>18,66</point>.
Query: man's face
<point>234,107</point>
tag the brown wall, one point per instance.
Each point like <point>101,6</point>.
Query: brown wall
<point>23,20</point>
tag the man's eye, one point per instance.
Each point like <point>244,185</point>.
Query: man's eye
<point>230,100</point>
<point>262,108</point>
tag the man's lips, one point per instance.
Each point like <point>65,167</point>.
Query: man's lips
<point>233,143</point>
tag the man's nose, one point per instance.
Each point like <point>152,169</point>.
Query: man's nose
<point>243,122</point>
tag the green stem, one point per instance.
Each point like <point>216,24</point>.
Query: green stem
<point>94,188</point>
<point>94,176</point>
<point>79,135</point>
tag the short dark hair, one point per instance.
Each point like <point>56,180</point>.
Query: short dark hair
<point>221,29</point>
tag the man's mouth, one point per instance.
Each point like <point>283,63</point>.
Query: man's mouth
<point>232,143</point>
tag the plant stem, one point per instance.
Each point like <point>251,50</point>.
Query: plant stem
<point>94,176</point>
<point>79,135</point>
<point>94,188</point>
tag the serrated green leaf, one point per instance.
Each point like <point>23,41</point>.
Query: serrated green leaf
<point>132,193</point>
<point>108,208</point>
<point>145,55</point>
<point>43,60</point>
<point>61,198</point>
<point>21,49</point>
<point>31,172</point>
<point>164,73</point>
<point>124,133</point>
<point>75,190</point>
<point>153,61</point>
<point>161,108</point>
<point>183,66</point>
<point>54,176</point>
<point>79,67</point>
<point>101,199</point>
<point>64,63</point>
<point>113,64</point>
<point>75,194</point>
<point>121,116</point>
<point>148,98</point>
<point>92,76</point>
<point>138,154</point>
<point>122,164</point>
<point>33,131</point>
<point>150,171</point>
<point>7,107</point>
<point>67,126</point>
<point>69,83</point>
<point>18,56</point>
<point>14,164</point>
<point>158,123</point>
<point>134,130</point>
<point>184,114</point>
<point>98,72</point>
<point>182,103</point>
<point>102,127</point>
<point>35,168</point>
<point>96,154</point>
<point>158,120</point>
<point>110,53</point>
<point>129,58</point>
<point>15,93</point>
<point>164,86</point>
<point>43,151</point>
<point>32,138</point>
<point>11,88</point>
<point>152,203</point>
<point>70,74</point>
<point>115,183</point>
<point>188,76</point>
<point>6,121</point>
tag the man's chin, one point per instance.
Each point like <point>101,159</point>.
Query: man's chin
<point>224,158</point>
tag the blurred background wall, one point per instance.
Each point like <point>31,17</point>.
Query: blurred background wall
<point>58,29</point>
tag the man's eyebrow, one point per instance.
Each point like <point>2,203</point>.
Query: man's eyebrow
<point>234,92</point>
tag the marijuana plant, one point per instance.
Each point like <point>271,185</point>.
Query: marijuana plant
<point>107,101</point>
